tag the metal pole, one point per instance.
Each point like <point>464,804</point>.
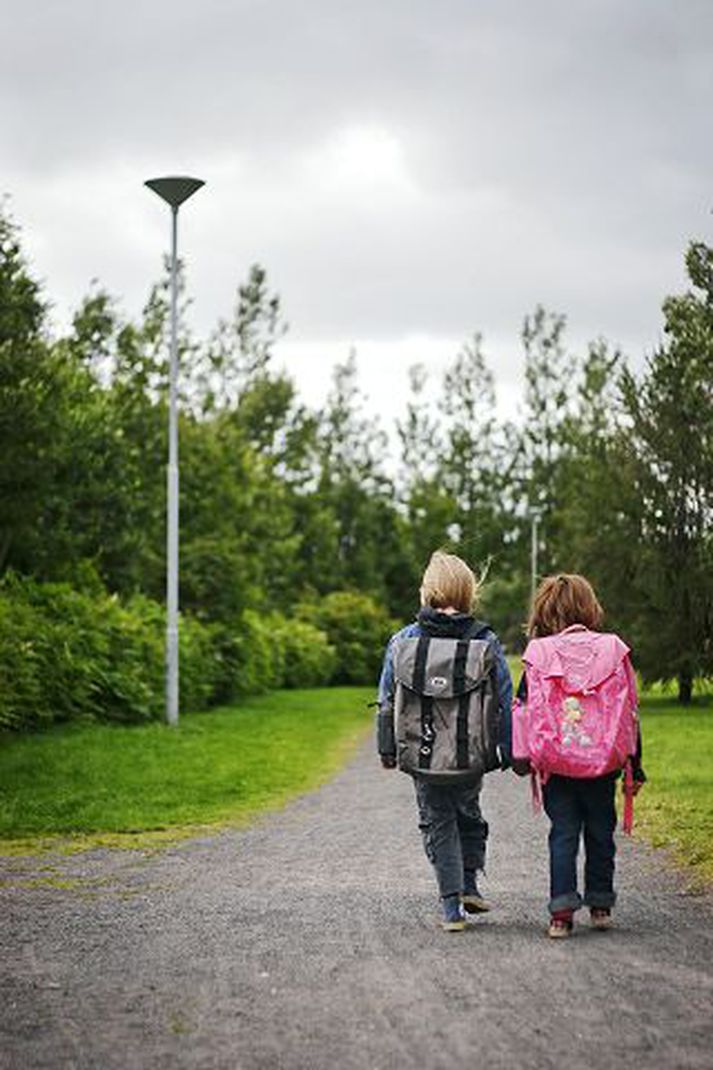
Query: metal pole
<point>533,556</point>
<point>174,190</point>
<point>172,495</point>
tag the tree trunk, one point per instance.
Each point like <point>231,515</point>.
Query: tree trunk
<point>685,687</point>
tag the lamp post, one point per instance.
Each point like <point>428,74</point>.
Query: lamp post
<point>533,555</point>
<point>174,190</point>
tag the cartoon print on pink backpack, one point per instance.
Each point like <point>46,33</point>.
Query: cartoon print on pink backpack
<point>572,729</point>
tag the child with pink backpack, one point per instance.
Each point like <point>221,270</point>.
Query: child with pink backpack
<point>575,729</point>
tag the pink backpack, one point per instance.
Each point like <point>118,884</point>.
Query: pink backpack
<point>579,718</point>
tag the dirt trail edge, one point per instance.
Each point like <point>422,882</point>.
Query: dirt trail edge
<point>310,942</point>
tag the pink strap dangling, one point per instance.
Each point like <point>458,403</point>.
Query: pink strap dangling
<point>628,822</point>
<point>536,790</point>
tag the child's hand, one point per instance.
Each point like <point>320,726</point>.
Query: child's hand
<point>388,761</point>
<point>634,788</point>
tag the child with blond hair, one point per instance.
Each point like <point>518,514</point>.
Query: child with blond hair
<point>452,825</point>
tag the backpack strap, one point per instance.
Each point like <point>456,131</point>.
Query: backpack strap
<point>425,751</point>
<point>462,761</point>
<point>536,790</point>
<point>628,822</point>
<point>459,666</point>
<point>419,665</point>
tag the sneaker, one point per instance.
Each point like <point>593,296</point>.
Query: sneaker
<point>454,920</point>
<point>472,900</point>
<point>561,924</point>
<point>600,917</point>
<point>473,903</point>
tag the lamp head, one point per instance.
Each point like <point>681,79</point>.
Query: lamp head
<point>175,189</point>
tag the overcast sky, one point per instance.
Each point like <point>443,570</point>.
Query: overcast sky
<point>408,171</point>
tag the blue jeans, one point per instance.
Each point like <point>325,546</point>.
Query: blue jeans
<point>454,831</point>
<point>576,808</point>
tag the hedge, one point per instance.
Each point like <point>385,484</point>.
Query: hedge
<point>67,654</point>
<point>357,627</point>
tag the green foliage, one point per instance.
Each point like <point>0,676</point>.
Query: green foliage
<point>21,683</point>
<point>669,447</point>
<point>469,466</point>
<point>503,604</point>
<point>309,660</point>
<point>282,506</point>
<point>69,654</point>
<point>363,527</point>
<point>260,655</point>
<point>270,651</point>
<point>358,629</point>
<point>32,400</point>
<point>59,648</point>
<point>66,654</point>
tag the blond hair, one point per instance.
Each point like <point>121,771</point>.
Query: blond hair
<point>561,601</point>
<point>448,581</point>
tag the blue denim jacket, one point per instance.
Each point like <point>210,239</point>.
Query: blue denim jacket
<point>387,684</point>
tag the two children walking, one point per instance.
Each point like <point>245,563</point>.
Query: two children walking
<point>446,716</point>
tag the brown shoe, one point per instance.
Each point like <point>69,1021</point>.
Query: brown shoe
<point>561,924</point>
<point>600,917</point>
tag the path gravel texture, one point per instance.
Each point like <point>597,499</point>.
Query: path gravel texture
<point>310,941</point>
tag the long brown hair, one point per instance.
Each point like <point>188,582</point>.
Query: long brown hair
<point>561,601</point>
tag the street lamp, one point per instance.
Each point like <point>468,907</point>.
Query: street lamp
<point>534,545</point>
<point>174,190</point>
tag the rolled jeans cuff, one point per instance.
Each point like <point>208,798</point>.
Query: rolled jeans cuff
<point>568,901</point>
<point>599,899</point>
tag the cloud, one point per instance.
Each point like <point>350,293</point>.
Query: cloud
<point>404,170</point>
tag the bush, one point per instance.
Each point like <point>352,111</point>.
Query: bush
<point>66,654</point>
<point>66,641</point>
<point>309,660</point>
<point>358,629</point>
<point>201,664</point>
<point>131,672</point>
<point>268,650</point>
<point>261,663</point>
<point>21,687</point>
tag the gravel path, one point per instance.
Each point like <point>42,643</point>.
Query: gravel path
<point>310,942</point>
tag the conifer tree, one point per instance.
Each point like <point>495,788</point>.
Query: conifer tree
<point>670,449</point>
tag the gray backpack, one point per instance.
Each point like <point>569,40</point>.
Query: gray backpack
<point>446,708</point>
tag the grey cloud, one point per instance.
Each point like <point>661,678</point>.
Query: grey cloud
<point>561,151</point>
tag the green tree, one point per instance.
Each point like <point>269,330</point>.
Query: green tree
<point>32,397</point>
<point>240,351</point>
<point>596,520</point>
<point>111,494</point>
<point>550,376</point>
<point>352,485</point>
<point>429,509</point>
<point>471,460</point>
<point>670,450</point>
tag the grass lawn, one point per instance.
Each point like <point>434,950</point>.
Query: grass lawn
<point>142,784</point>
<point>98,783</point>
<point>675,808</point>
